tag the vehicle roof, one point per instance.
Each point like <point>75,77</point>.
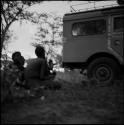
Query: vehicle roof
<point>92,13</point>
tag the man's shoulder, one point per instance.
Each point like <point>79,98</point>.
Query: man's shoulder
<point>34,60</point>
<point>39,60</point>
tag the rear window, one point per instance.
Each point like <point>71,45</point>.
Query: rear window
<point>89,27</point>
<point>118,24</point>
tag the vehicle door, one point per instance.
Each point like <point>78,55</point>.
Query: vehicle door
<point>117,33</point>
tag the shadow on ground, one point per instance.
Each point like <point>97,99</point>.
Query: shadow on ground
<point>72,104</point>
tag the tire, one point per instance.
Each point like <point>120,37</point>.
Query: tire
<point>104,70</point>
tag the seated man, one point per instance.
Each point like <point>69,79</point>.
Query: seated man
<point>14,73</point>
<point>17,68</point>
<point>36,70</point>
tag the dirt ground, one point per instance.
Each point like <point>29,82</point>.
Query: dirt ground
<point>72,104</point>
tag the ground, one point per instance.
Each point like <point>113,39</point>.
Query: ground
<point>72,104</point>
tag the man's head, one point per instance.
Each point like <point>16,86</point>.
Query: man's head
<point>40,52</point>
<point>18,59</point>
<point>15,56</point>
<point>50,61</point>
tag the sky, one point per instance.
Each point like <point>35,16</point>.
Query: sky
<point>25,32</point>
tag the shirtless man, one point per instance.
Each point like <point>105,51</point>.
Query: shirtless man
<point>36,71</point>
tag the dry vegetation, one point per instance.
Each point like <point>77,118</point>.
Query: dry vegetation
<point>77,101</point>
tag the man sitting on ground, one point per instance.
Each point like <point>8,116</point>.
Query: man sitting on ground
<point>16,68</point>
<point>37,72</point>
<point>14,77</point>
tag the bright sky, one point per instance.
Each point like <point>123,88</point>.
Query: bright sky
<point>24,33</point>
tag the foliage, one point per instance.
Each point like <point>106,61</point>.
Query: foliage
<point>49,34</point>
<point>12,11</point>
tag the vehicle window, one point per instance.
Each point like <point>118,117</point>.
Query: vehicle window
<point>118,24</point>
<point>89,27</point>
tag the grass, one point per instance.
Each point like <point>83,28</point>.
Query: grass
<point>76,102</point>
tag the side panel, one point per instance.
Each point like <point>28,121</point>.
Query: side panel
<point>80,48</point>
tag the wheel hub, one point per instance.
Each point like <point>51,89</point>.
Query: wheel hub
<point>103,73</point>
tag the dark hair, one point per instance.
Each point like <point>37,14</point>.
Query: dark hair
<point>50,61</point>
<point>40,52</point>
<point>15,54</point>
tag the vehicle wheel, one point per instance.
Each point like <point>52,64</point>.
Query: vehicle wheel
<point>104,70</point>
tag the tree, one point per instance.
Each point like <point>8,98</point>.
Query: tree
<point>12,11</point>
<point>49,34</point>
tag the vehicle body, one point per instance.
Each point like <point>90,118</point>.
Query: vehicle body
<point>92,35</point>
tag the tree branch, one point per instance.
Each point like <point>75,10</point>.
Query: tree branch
<point>3,13</point>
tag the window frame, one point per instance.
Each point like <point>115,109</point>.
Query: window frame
<point>89,21</point>
<point>113,30</point>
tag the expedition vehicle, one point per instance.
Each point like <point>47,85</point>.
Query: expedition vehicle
<point>93,40</point>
